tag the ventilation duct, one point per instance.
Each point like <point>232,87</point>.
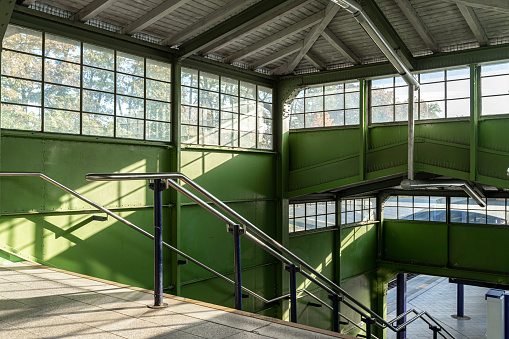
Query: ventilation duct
<point>377,37</point>
<point>423,184</point>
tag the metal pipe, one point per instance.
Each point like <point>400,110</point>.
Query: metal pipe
<point>158,188</point>
<point>237,270</point>
<point>411,132</point>
<point>363,19</point>
<point>460,302</point>
<point>335,316</point>
<point>401,302</point>
<point>293,292</point>
<point>414,184</point>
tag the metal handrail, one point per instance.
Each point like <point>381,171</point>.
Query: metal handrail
<point>380,322</point>
<point>170,178</point>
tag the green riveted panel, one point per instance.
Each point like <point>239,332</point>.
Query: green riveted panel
<point>494,165</point>
<point>415,242</point>
<point>381,136</point>
<point>493,134</point>
<point>358,250</point>
<point>444,156</point>
<point>454,132</point>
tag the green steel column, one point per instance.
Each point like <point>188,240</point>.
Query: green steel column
<point>475,80</point>
<point>175,167</point>
<point>336,258</point>
<point>363,128</point>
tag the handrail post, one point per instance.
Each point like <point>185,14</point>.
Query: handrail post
<point>435,330</point>
<point>335,309</point>
<point>158,186</point>
<point>368,322</point>
<point>293,269</point>
<point>237,231</point>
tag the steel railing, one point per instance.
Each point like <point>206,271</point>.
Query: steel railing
<point>337,294</point>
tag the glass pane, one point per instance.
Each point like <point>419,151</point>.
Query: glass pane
<point>343,218</point>
<point>247,140</point>
<point>496,218</point>
<point>391,212</point>
<point>229,138</point>
<point>314,104</point>
<point>432,92</point>
<point>265,141</point>
<point>158,90</point>
<point>495,85</point>
<point>458,89</point>
<point>321,208</point>
<point>98,79</point>
<point>459,73</point>
<point>265,110</point>
<point>476,217</point>
<point>432,110</point>
<point>321,221</point>
<point>405,213</point>
<point>130,128</point>
<point>129,85</point>
<point>297,121</point>
<point>229,120</point>
<point>401,95</point>
<point>189,115</point>
<point>331,207</point>
<point>265,94</point>
<point>130,64</point>
<point>352,100</point>
<point>247,90</point>
<point>61,48</point>
<point>358,216</point>
<point>100,125</point>
<point>189,77</point>
<point>472,205</point>
<point>458,216</point>
<point>159,131</point>
<point>61,97</point>
<point>229,86</point>
<point>189,96</point>
<point>297,106</point>
<point>495,204</point>
<point>21,117</point>
<point>392,201</point>
<point>352,86</point>
<point>458,108</point>
<point>350,217</point>
<point>189,134</point>
<point>247,123</point>
<point>422,202</point>
<point>291,227</point>
<point>61,72</point>
<point>495,105</point>
<point>334,118</point>
<point>421,214</point>
<point>229,103</point>
<point>437,215</point>
<point>431,77</point>
<point>382,114</point>
<point>300,224</point>
<point>61,121</point>
<point>310,223</point>
<point>98,102</point>
<point>437,202</point>
<point>129,107</point>
<point>382,83</point>
<point>300,94</point>
<point>331,220</point>
<point>405,200</point>
<point>209,136</point>
<point>352,117</point>
<point>209,99</point>
<point>158,111</point>
<point>209,81</point>
<point>334,89</point>
<point>314,91</point>
<point>98,56</point>
<point>158,70</point>
<point>314,120</point>
<point>23,39</point>
<point>209,117</point>
<point>495,69</point>
<point>382,96</point>
<point>264,125</point>
<point>21,91</point>
<point>459,203</point>
<point>31,69</point>
<point>402,112</point>
<point>335,102</point>
<point>300,210</point>
<point>290,211</point>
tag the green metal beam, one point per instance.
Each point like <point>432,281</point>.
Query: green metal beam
<point>363,128</point>
<point>6,8</point>
<point>230,26</point>
<point>385,27</point>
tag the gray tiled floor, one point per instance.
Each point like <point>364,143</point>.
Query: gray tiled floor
<point>40,303</point>
<point>438,297</point>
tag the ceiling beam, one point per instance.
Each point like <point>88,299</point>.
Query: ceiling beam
<point>153,15</point>
<point>390,34</point>
<point>415,20</point>
<point>273,16</point>
<point>92,10</point>
<point>228,27</point>
<point>474,24</point>
<point>205,22</point>
<point>315,60</point>
<point>276,56</point>
<point>278,36</point>
<point>494,5</point>
<point>310,39</point>
<point>340,46</point>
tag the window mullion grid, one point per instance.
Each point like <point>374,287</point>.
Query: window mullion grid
<point>43,67</point>
<point>115,94</point>
<point>198,90</point>
<point>220,110</point>
<point>81,90</point>
<point>144,98</point>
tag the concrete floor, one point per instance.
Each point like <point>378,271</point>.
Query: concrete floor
<point>36,302</point>
<point>437,296</point>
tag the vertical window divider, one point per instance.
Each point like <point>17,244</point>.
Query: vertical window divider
<point>81,89</point>
<point>219,112</point>
<point>144,98</point>
<point>43,67</point>
<point>115,93</point>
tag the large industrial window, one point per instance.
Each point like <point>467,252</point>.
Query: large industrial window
<point>442,94</point>
<point>495,88</point>
<point>466,210</point>
<point>311,216</point>
<point>56,84</point>
<point>357,210</point>
<point>326,106</point>
<point>424,208</point>
<point>217,110</point>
